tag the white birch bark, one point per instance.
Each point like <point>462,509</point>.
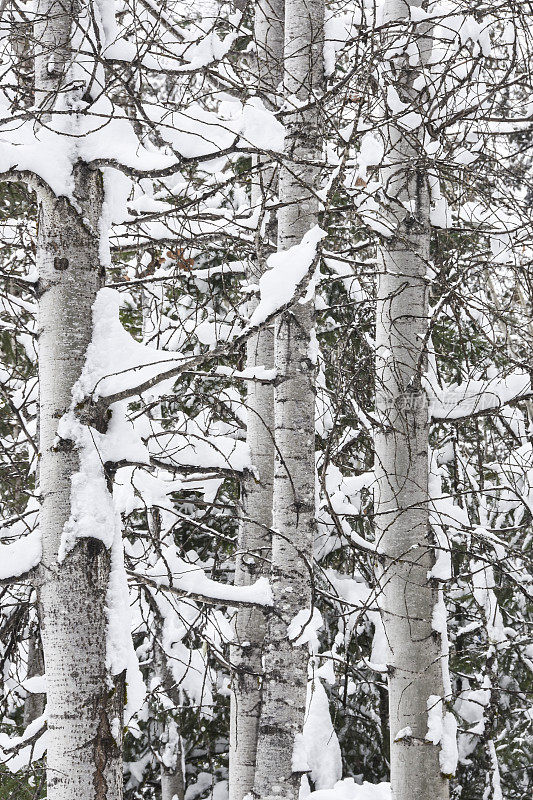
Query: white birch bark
<point>285,666</point>
<point>171,744</point>
<point>172,784</point>
<point>407,597</point>
<point>257,485</point>
<point>172,772</point>
<point>84,758</point>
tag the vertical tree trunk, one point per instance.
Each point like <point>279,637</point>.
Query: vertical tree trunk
<point>257,485</point>
<point>84,750</point>
<point>35,702</point>
<point>407,596</point>
<point>172,772</point>
<point>172,784</point>
<point>285,670</point>
<point>84,758</point>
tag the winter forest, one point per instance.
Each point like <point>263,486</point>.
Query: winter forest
<point>266,399</point>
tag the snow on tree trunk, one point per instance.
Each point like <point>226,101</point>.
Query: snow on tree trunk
<point>256,486</point>
<point>171,743</point>
<point>84,753</point>
<point>170,753</point>
<point>84,709</point>
<point>285,665</point>
<point>407,598</point>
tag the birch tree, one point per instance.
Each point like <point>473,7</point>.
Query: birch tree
<point>408,598</point>
<point>285,663</point>
<point>84,756</point>
<point>257,483</point>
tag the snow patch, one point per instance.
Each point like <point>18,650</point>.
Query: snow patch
<point>120,653</point>
<point>448,746</point>
<point>20,556</point>
<point>322,749</point>
<point>348,789</point>
<point>285,271</point>
<point>304,627</point>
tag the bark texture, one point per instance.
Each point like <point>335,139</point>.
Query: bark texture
<point>257,485</point>
<point>84,709</point>
<point>285,666</point>
<point>84,753</point>
<point>407,596</point>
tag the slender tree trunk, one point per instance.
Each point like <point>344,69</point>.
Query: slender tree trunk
<point>257,485</point>
<point>172,785</point>
<point>84,710</point>
<point>408,597</point>
<point>172,772</point>
<point>285,670</point>
<point>171,757</point>
<point>35,702</point>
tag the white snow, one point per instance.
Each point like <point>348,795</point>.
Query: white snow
<point>371,151</point>
<point>495,778</point>
<point>299,755</point>
<point>471,703</point>
<point>196,131</point>
<point>403,733</point>
<point>189,577</point>
<point>304,627</point>
<point>434,707</point>
<point>195,449</point>
<point>348,789</point>
<point>448,745</point>
<point>120,653</point>
<point>394,102</point>
<point>337,29</point>
<point>114,359</point>
<point>33,752</point>
<point>439,623</point>
<point>322,749</point>
<point>20,556</point>
<point>286,270</point>
<point>484,585</point>
<point>35,684</point>
<point>474,396</point>
<point>51,151</point>
<point>92,514</point>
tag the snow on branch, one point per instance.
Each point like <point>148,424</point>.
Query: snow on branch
<point>114,357</point>
<point>476,397</point>
<point>193,583</point>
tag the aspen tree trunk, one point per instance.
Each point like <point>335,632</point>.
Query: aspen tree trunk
<point>172,782</point>
<point>407,596</point>
<point>172,776</point>
<point>257,485</point>
<point>285,666</point>
<point>84,710</point>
